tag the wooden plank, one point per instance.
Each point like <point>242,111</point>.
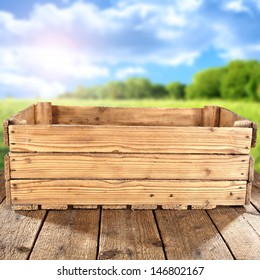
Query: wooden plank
<point>7,167</point>
<point>211,116</point>
<point>116,192</point>
<point>25,207</point>
<point>250,124</point>
<point>7,178</point>
<point>5,132</point>
<point>129,166</point>
<point>18,231</point>
<point>73,235</point>
<point>54,206</point>
<point>175,206</point>
<point>127,139</point>
<point>114,206</point>
<point>2,186</point>
<point>228,118</point>
<point>190,235</point>
<point>129,235</point>
<point>84,206</point>
<point>43,113</point>
<point>143,206</point>
<point>256,179</point>
<point>255,197</point>
<point>237,229</point>
<point>126,116</point>
<point>26,116</point>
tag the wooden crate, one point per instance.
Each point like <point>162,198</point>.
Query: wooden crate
<point>85,157</point>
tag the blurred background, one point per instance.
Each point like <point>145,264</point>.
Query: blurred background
<point>167,53</point>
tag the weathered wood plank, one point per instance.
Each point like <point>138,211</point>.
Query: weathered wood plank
<point>7,178</point>
<point>116,192</point>
<point>126,116</point>
<point>43,113</point>
<point>129,139</point>
<point>2,186</point>
<point>190,235</point>
<point>27,207</point>
<point>211,116</point>
<point>256,181</point>
<point>7,167</point>
<point>5,132</point>
<point>54,206</point>
<point>129,166</point>
<point>250,124</point>
<point>228,118</point>
<point>26,116</point>
<point>68,235</point>
<point>240,229</point>
<point>18,231</point>
<point>129,235</point>
<point>255,197</point>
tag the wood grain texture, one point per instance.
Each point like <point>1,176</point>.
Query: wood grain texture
<point>25,207</point>
<point>84,206</point>
<point>240,229</point>
<point>7,167</point>
<point>114,206</point>
<point>43,113</point>
<point>129,139</point>
<point>228,118</point>
<point>73,235</point>
<point>18,231</point>
<point>129,235</point>
<point>250,124</point>
<point>2,187</point>
<point>129,166</point>
<point>5,132</point>
<point>54,206</point>
<point>255,197</point>
<point>126,116</point>
<point>190,235</point>
<point>256,181</point>
<point>26,116</point>
<point>211,116</point>
<point>116,192</point>
<point>7,178</point>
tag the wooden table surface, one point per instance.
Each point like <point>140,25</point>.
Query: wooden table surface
<point>222,233</point>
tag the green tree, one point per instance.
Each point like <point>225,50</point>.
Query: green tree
<point>158,91</point>
<point>113,90</point>
<point>206,84</point>
<point>137,88</point>
<point>176,90</point>
<point>234,82</point>
<point>252,88</point>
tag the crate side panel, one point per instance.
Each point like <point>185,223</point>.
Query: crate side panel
<point>126,116</point>
<point>129,166</point>
<point>228,118</point>
<point>5,133</point>
<point>120,192</point>
<point>26,116</point>
<point>130,139</point>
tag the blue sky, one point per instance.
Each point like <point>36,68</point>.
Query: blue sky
<point>48,47</point>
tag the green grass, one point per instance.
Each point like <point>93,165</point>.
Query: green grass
<point>247,109</point>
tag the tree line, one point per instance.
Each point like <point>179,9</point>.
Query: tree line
<point>239,79</point>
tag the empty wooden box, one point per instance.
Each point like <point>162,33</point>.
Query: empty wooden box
<point>84,157</point>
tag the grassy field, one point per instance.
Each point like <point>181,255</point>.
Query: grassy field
<point>250,110</point>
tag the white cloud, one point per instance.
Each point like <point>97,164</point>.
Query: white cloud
<point>236,6</point>
<point>58,46</point>
<point>30,85</point>
<point>129,71</point>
